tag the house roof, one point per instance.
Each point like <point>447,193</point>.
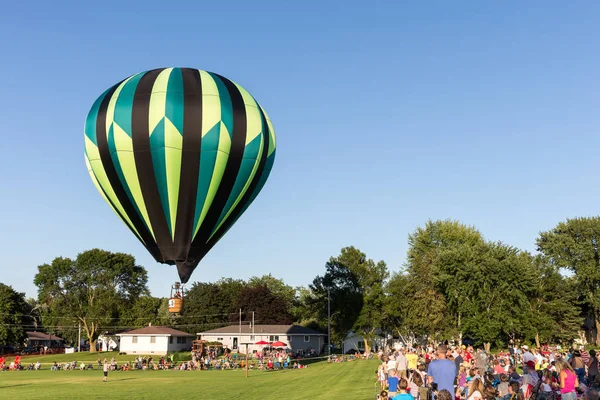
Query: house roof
<point>43,336</point>
<point>264,330</point>
<point>155,330</point>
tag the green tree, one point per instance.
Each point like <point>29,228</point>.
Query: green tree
<point>92,289</point>
<point>556,312</point>
<point>498,294</point>
<point>143,311</point>
<point>342,286</point>
<point>15,316</point>
<point>209,305</point>
<point>268,307</point>
<point>356,284</point>
<point>573,245</point>
<point>441,257</point>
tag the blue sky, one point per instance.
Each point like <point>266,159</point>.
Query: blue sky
<point>386,114</point>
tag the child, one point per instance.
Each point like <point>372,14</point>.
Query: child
<point>503,385</point>
<point>381,376</point>
<point>403,391</point>
<point>392,383</point>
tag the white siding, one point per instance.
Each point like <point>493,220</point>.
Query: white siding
<point>294,342</point>
<point>160,346</point>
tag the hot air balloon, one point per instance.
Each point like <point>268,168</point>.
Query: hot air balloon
<point>179,154</point>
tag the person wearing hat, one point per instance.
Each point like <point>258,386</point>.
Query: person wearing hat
<point>527,355</point>
<point>442,371</point>
<point>530,378</point>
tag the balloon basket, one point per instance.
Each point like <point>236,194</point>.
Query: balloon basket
<point>176,299</point>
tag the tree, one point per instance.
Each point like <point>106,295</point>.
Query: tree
<point>345,294</point>
<point>356,284</point>
<point>92,289</point>
<point>441,256</point>
<point>209,305</point>
<point>143,311</point>
<point>556,312</point>
<point>15,316</point>
<point>497,294</point>
<point>574,245</point>
<point>269,308</point>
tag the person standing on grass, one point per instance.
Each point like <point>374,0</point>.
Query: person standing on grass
<point>105,369</point>
<point>442,371</point>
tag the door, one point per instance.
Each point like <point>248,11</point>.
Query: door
<point>235,343</point>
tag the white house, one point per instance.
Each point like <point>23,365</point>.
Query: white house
<point>295,337</point>
<point>355,342</point>
<point>108,342</point>
<point>154,340</point>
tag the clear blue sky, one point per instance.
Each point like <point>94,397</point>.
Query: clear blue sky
<point>387,113</point>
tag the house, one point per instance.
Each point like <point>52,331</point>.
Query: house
<point>41,341</point>
<point>158,340</point>
<point>108,342</point>
<point>355,342</point>
<point>295,337</point>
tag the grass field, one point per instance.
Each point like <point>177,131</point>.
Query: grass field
<point>88,358</point>
<point>350,380</point>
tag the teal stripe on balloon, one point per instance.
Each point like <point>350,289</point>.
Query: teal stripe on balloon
<point>159,162</point>
<point>261,182</point>
<point>175,99</point>
<point>90,122</point>
<point>115,160</point>
<point>208,158</point>
<point>124,104</point>
<point>251,155</point>
<point>226,106</point>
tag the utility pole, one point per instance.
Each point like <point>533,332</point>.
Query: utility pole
<point>328,321</point>
<point>253,324</point>
<point>240,321</point>
<point>79,339</point>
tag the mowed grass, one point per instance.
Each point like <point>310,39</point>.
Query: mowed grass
<point>350,380</point>
<point>88,358</point>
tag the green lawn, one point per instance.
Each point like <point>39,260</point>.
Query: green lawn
<point>350,380</point>
<point>88,358</point>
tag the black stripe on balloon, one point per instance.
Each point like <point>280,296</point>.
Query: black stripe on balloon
<point>236,213</point>
<point>113,177</point>
<point>232,168</point>
<point>190,161</point>
<point>140,134</point>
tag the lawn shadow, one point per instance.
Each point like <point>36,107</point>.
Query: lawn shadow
<point>19,384</point>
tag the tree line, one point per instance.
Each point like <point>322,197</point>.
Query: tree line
<point>454,285</point>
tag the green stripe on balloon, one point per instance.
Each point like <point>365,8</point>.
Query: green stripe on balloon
<point>226,106</point>
<point>125,103</point>
<point>245,174</point>
<point>90,122</point>
<point>208,157</point>
<point>157,146</point>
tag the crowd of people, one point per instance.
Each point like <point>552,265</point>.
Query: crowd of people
<point>463,373</point>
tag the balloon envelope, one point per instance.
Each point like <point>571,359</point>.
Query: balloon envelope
<point>179,154</point>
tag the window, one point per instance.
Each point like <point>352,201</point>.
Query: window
<point>170,339</point>
<point>361,344</point>
<point>289,338</point>
<point>273,338</point>
<point>306,338</point>
<point>152,339</point>
<point>219,339</point>
<point>252,338</point>
<point>181,339</point>
<point>134,339</point>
